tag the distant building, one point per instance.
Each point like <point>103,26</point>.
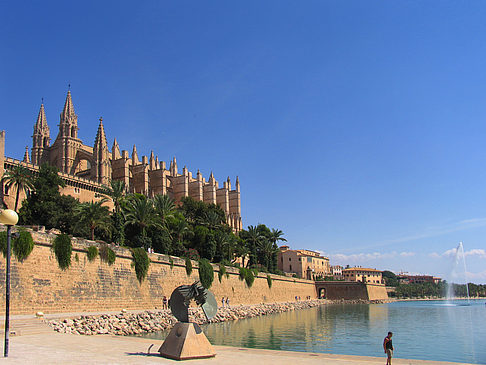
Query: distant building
<point>364,275</point>
<point>337,272</point>
<point>305,264</point>
<point>417,279</point>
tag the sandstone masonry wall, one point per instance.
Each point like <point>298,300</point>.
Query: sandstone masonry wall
<point>38,284</point>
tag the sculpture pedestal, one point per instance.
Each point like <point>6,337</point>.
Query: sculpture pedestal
<point>186,341</point>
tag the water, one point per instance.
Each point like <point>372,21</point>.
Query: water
<point>429,330</point>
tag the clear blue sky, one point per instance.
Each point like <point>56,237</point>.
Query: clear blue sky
<point>358,127</point>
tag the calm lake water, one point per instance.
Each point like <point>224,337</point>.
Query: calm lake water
<point>429,330</point>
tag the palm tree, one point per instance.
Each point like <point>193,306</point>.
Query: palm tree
<point>117,191</point>
<point>253,238</point>
<point>276,236</point>
<point>212,220</point>
<point>164,207</point>
<point>179,230</point>
<point>267,250</point>
<point>140,212</point>
<point>93,215</point>
<point>21,178</point>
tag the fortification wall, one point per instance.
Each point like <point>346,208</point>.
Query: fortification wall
<point>38,284</point>
<point>376,292</point>
<point>351,290</point>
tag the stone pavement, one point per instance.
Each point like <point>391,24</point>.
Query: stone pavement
<point>50,347</point>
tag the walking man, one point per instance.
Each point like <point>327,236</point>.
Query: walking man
<point>388,347</point>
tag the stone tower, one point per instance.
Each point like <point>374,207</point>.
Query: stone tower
<point>40,139</point>
<point>101,168</point>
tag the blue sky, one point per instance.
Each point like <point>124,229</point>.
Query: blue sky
<point>358,128</point>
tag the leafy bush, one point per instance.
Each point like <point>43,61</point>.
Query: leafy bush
<point>63,249</point>
<point>22,245</point>
<point>242,273</point>
<point>141,262</point>
<point>107,254</point>
<point>249,278</point>
<point>188,266</point>
<point>192,254</point>
<point>206,273</point>
<point>247,275</point>
<point>92,253</point>
<point>3,243</point>
<point>269,281</point>
<point>222,271</point>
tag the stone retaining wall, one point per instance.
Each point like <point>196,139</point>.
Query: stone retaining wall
<point>38,284</point>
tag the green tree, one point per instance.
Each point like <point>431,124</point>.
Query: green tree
<point>140,214</point>
<point>390,278</point>
<point>45,206</point>
<point>164,207</point>
<point>94,215</point>
<point>21,178</point>
<point>117,193</point>
<point>252,238</point>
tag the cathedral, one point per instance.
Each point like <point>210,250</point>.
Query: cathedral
<point>86,170</point>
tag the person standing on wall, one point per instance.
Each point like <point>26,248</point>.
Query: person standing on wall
<point>388,347</point>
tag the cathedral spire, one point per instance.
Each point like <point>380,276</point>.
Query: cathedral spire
<point>41,118</point>
<point>100,135</point>
<point>68,106</point>
<point>115,151</point>
<point>237,184</point>
<point>152,163</point>
<point>173,167</point>
<point>68,125</point>
<point>26,155</point>
<point>135,160</point>
<point>228,183</point>
<point>101,169</point>
<point>41,137</point>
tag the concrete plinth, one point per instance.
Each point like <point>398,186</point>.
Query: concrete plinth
<point>186,341</point>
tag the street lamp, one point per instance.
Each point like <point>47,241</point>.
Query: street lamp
<point>9,218</point>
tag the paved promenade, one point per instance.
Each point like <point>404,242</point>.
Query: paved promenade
<point>55,348</point>
<point>36,343</point>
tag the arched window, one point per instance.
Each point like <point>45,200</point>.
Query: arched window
<point>73,132</point>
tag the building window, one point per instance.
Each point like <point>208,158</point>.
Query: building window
<point>290,267</point>
<point>290,259</point>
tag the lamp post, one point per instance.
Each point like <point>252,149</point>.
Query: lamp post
<point>9,218</point>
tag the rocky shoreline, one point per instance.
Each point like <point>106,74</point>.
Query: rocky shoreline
<point>126,323</point>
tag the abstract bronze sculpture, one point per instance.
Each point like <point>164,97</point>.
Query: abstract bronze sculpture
<point>186,340</point>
